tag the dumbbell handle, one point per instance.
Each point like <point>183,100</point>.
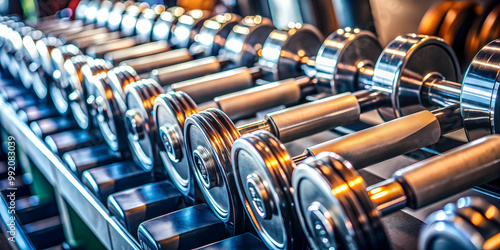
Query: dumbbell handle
<point>310,118</point>
<point>167,76</point>
<point>390,139</point>
<point>439,177</point>
<point>203,89</point>
<point>150,62</point>
<point>250,101</point>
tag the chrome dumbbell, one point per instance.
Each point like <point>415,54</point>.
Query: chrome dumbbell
<point>200,130</point>
<point>110,108</point>
<point>77,91</point>
<point>391,139</point>
<point>470,223</point>
<point>304,41</point>
<point>53,55</point>
<point>337,209</point>
<point>241,48</point>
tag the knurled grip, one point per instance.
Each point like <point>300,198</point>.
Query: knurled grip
<point>187,70</point>
<point>307,119</point>
<point>259,98</point>
<point>385,141</point>
<point>206,88</point>
<point>438,177</point>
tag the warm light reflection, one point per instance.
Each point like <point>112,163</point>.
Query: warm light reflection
<point>493,242</point>
<point>197,14</point>
<point>211,24</point>
<point>340,189</point>
<point>241,30</point>
<point>490,212</point>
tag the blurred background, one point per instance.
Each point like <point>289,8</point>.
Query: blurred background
<point>390,17</point>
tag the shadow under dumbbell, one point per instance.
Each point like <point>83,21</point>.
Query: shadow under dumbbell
<point>187,228</point>
<point>86,158</point>
<point>133,206</point>
<point>106,180</point>
<point>45,233</point>
<point>63,142</point>
<point>35,113</point>
<point>240,242</point>
<point>44,127</point>
<point>29,209</point>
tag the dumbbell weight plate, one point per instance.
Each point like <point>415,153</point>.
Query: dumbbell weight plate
<point>140,141</point>
<point>452,229</point>
<point>490,29</point>
<point>433,18</point>
<point>357,222</point>
<point>109,108</point>
<point>263,190</point>
<point>283,52</point>
<point>464,13</point>
<point>81,83</point>
<point>479,110</point>
<point>163,25</point>
<point>168,111</point>
<point>31,57</point>
<point>44,47</point>
<point>402,67</point>
<point>338,58</point>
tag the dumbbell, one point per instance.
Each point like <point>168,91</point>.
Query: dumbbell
<point>304,41</point>
<point>336,209</point>
<point>191,21</point>
<point>393,138</point>
<point>77,90</point>
<point>112,107</point>
<point>13,48</point>
<point>201,130</point>
<point>81,71</point>
<point>57,55</point>
<point>241,48</point>
<point>471,223</point>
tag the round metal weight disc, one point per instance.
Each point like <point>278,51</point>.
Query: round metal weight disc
<point>107,111</point>
<point>209,137</point>
<point>402,66</point>
<point>263,168</point>
<point>139,98</point>
<point>163,26</point>
<point>246,39</point>
<point>214,32</point>
<point>480,88</point>
<point>119,77</point>
<point>283,51</point>
<point>323,202</point>
<point>447,230</point>
<point>170,112</point>
<point>338,58</point>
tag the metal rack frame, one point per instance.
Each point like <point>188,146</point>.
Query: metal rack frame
<point>95,215</point>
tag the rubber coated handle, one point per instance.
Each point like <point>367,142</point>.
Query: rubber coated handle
<point>148,63</point>
<point>250,101</point>
<point>459,169</point>
<point>188,70</point>
<point>385,141</point>
<point>310,118</point>
<point>208,87</point>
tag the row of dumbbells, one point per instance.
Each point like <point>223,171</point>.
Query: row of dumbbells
<point>409,74</point>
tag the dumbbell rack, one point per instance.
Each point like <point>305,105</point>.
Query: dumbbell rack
<point>402,227</point>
